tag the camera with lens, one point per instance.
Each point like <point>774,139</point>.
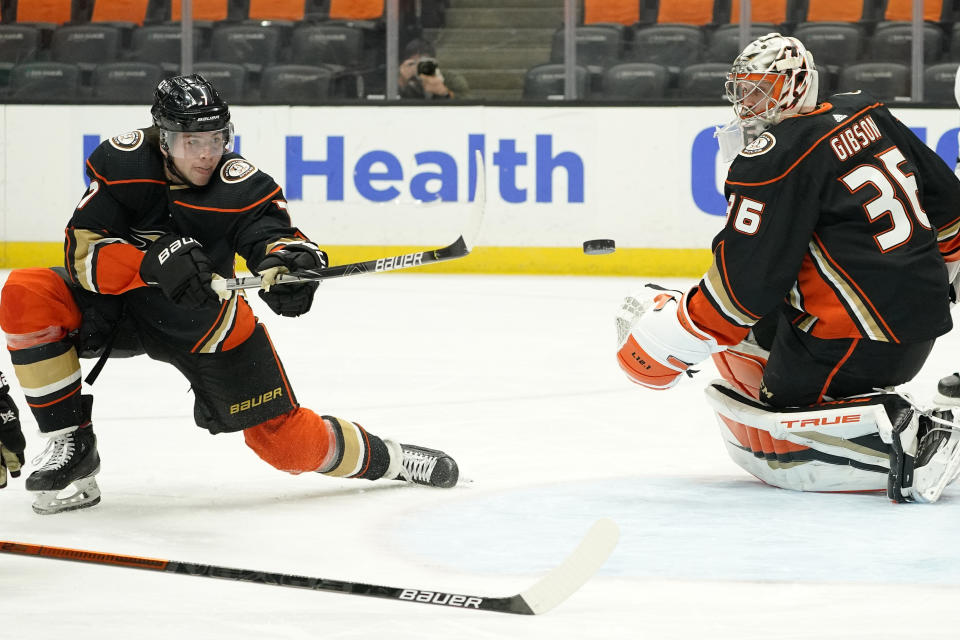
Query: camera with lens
<point>427,67</point>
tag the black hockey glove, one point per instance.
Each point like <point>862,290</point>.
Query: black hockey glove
<point>12,443</point>
<point>182,271</point>
<point>290,300</point>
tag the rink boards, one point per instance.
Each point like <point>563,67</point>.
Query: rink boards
<point>369,181</point>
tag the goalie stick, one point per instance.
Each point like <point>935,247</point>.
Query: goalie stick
<point>552,589</point>
<point>459,248</point>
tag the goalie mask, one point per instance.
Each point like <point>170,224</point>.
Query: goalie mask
<point>774,77</point>
<point>194,125</point>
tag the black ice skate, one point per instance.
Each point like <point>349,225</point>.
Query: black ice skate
<point>72,462</point>
<point>948,390</point>
<point>420,465</point>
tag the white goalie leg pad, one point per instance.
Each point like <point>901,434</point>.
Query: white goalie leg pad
<point>807,449</point>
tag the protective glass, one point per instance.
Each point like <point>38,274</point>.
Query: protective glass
<point>198,144</point>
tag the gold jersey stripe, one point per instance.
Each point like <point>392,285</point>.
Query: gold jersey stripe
<point>40,378</point>
<point>354,450</point>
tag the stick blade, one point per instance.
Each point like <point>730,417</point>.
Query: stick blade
<point>561,582</point>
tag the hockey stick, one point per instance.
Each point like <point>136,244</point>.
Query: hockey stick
<point>459,248</point>
<point>548,592</point>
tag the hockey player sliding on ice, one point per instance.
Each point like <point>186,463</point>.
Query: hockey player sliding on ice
<point>827,289</point>
<point>167,209</point>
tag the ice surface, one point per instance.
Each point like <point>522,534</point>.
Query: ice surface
<point>515,376</point>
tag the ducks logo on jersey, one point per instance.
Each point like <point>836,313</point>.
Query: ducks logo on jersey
<point>236,170</point>
<point>760,145</point>
<point>127,141</point>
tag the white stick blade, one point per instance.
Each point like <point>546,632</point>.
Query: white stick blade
<point>580,566</point>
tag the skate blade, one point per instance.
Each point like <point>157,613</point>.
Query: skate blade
<point>86,494</point>
<point>947,459</point>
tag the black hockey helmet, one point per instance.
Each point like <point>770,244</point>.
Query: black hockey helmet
<point>189,103</point>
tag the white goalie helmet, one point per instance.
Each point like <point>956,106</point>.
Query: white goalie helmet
<point>772,78</point>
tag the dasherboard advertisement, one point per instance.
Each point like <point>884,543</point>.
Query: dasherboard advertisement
<point>391,176</point>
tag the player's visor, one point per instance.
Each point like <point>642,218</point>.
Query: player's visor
<point>197,144</point>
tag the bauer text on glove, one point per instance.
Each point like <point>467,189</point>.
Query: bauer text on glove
<point>180,268</point>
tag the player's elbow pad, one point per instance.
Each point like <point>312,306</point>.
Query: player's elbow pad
<point>663,345</point>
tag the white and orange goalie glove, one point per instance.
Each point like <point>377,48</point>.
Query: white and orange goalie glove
<point>657,342</point>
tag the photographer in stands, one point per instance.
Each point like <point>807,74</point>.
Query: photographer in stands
<point>420,76</point>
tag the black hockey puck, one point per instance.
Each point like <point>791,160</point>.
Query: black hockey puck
<point>599,247</point>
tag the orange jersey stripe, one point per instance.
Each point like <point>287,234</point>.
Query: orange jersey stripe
<point>133,180</point>
<point>807,152</point>
<point>246,208</point>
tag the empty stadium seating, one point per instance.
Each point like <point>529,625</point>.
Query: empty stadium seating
<point>295,84</point>
<point>938,83</point>
<point>703,82</point>
<point>886,80</point>
<point>635,81</point>
<point>41,82</point>
<point>126,82</point>
<point>546,82</point>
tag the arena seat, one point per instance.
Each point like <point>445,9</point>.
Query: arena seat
<point>612,11</point>
<point>893,42</point>
<point>160,43</point>
<point>693,12</point>
<point>45,81</point>
<point>672,45</point>
<point>331,43</point>
<point>291,10</point>
<point>703,82</point>
<point>42,11</point>
<point>133,12</point>
<point>833,45</point>
<point>228,78</point>
<point>772,12</point>
<point>204,10</point>
<point>86,44</point>
<point>599,45</point>
<point>834,11</point>
<point>635,81</point>
<point>546,81</point>
<point>938,83</point>
<point>886,80</point>
<point>252,45</point>
<point>902,10</point>
<point>725,41</point>
<point>295,84</point>
<point>126,82</point>
<point>19,43</point>
<point>356,9</point>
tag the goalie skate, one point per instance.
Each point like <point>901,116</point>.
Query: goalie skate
<point>938,458</point>
<point>420,465</point>
<point>66,478</point>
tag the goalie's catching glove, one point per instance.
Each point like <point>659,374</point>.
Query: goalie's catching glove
<point>657,342</point>
<point>12,443</point>
<point>181,269</point>
<point>293,299</point>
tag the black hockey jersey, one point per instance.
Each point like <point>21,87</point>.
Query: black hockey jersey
<point>844,214</point>
<point>130,203</point>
